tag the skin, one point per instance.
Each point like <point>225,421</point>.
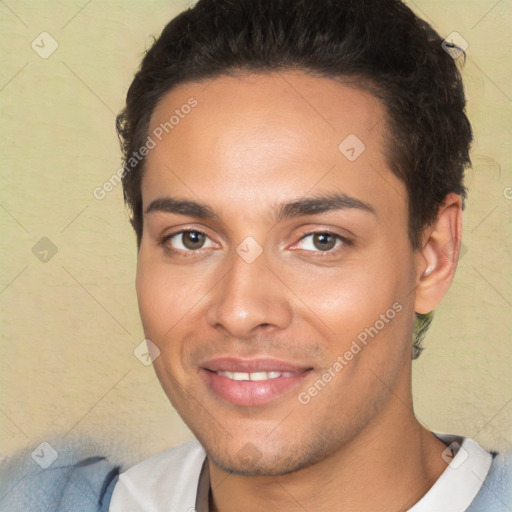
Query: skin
<point>252,142</point>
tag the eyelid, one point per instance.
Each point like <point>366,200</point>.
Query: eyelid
<point>165,238</point>
<point>345,241</point>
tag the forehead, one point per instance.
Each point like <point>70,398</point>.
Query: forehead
<point>263,138</point>
<point>328,102</point>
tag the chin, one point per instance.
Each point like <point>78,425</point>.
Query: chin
<point>272,460</point>
<point>263,467</point>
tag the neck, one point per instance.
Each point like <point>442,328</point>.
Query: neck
<point>390,465</point>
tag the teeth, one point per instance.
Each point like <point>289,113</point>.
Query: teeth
<point>260,376</point>
<point>254,376</point>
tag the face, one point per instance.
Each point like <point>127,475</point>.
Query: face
<point>275,274</point>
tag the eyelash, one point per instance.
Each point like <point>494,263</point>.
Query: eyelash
<point>170,250</point>
<point>345,242</point>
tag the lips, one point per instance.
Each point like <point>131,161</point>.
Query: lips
<point>251,382</point>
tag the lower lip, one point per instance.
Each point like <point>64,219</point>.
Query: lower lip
<point>250,393</point>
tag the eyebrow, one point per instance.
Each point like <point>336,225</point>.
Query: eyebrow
<point>314,205</point>
<point>181,207</point>
<point>320,203</point>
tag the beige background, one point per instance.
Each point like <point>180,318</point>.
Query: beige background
<point>70,325</point>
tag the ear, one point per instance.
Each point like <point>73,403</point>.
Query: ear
<point>437,260</point>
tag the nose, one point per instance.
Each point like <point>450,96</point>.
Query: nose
<point>249,297</point>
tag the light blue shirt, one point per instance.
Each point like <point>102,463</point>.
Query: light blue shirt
<point>87,485</point>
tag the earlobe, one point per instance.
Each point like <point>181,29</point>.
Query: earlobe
<point>438,258</point>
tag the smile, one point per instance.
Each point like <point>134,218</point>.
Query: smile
<point>254,376</point>
<point>251,382</point>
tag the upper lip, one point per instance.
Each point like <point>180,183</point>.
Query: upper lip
<point>259,364</point>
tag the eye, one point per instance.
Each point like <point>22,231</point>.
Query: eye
<point>323,241</point>
<point>185,241</point>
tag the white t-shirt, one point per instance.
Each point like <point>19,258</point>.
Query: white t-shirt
<point>168,482</point>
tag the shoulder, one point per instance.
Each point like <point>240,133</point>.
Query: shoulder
<point>169,478</point>
<point>496,492</point>
<point>68,483</point>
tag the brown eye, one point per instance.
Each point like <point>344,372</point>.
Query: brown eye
<point>185,241</point>
<point>193,239</point>
<point>324,241</point>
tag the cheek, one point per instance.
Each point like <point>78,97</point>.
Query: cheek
<point>150,295</point>
<point>165,296</point>
<point>364,307</point>
<point>171,301</point>
<point>161,310</point>
<point>351,299</point>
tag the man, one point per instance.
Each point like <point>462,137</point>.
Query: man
<point>297,209</point>
<point>294,169</point>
